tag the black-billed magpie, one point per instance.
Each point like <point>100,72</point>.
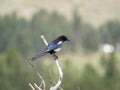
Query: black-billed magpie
<point>52,48</point>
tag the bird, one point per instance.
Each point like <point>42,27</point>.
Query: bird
<point>52,48</point>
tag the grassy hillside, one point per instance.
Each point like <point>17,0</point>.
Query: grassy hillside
<point>94,11</point>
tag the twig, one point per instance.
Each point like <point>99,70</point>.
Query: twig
<point>44,40</point>
<point>42,82</point>
<point>37,86</point>
<point>31,86</point>
<point>60,77</point>
<point>51,75</point>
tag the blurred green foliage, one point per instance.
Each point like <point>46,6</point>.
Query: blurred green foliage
<point>110,32</point>
<point>20,38</point>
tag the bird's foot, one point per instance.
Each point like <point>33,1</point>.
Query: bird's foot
<point>55,57</point>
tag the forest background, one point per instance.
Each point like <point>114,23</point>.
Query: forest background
<point>89,26</point>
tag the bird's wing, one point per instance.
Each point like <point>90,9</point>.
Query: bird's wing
<point>53,46</point>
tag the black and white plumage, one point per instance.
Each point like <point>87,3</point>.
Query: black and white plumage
<point>52,48</point>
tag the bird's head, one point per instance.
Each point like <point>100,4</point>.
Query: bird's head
<point>63,38</point>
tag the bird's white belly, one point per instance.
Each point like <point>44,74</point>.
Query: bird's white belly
<point>57,50</point>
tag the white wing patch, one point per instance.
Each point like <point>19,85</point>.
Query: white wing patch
<point>59,42</point>
<point>57,50</point>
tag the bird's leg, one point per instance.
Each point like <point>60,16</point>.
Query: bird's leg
<point>55,56</point>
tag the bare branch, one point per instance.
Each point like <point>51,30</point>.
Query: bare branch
<point>44,40</point>
<point>31,86</point>
<point>37,86</point>
<point>42,80</point>
<point>60,77</point>
<point>59,69</point>
<point>57,85</point>
<point>51,75</point>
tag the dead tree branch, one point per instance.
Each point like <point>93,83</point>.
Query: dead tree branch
<point>42,84</point>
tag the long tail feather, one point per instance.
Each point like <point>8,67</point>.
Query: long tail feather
<point>40,54</point>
